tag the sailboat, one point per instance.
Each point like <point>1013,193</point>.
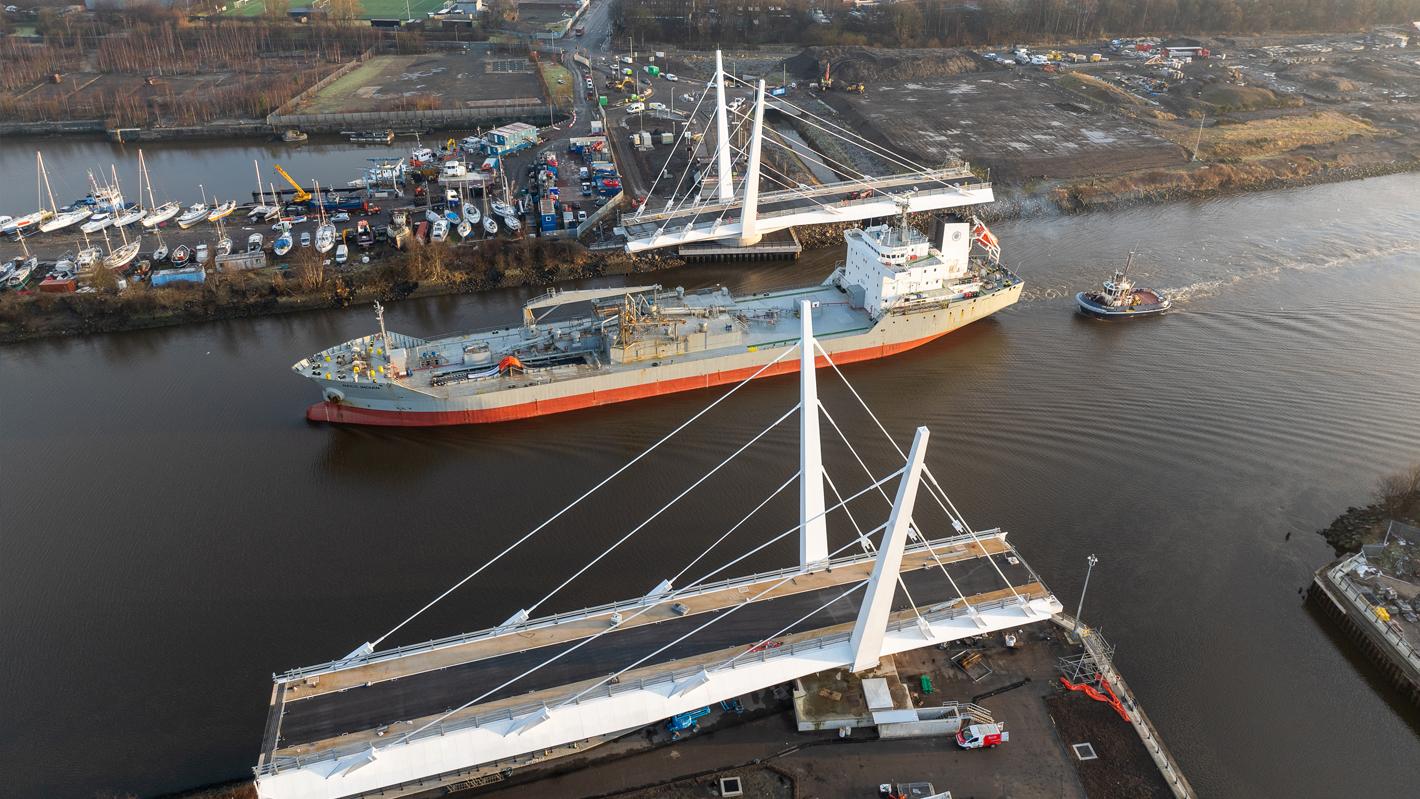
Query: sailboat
<point>224,245</point>
<point>195,212</point>
<point>283,243</point>
<point>124,255</point>
<point>464,229</point>
<point>124,217</point>
<point>261,211</point>
<point>451,206</point>
<point>57,219</point>
<point>325,234</point>
<point>158,213</point>
<point>96,223</point>
<point>161,253</point>
<point>87,257</point>
<point>222,211</point>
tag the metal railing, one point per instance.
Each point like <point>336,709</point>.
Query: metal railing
<point>611,689</point>
<point>328,667</point>
<point>1401,644</point>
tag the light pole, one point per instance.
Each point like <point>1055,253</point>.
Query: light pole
<point>1091,560</point>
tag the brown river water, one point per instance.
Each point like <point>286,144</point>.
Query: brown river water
<point>174,531</point>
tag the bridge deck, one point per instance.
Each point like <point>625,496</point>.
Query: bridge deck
<point>352,703</point>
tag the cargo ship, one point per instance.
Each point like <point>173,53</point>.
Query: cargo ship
<point>896,289</point>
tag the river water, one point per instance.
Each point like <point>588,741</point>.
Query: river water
<point>174,531</point>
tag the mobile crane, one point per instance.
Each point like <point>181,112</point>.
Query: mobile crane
<point>301,194</point>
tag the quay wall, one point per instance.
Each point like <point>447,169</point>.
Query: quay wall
<point>1388,651</point>
<point>1163,758</point>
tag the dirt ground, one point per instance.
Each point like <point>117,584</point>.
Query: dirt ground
<point>450,80</point>
<point>1122,768</point>
<point>1019,124</point>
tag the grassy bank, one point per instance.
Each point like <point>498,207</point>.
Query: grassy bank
<point>308,285</point>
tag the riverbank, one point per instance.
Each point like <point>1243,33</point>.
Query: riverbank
<point>1397,496</point>
<point>428,271</point>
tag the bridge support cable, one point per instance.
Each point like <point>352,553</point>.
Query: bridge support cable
<point>738,154</point>
<point>588,493</point>
<point>791,625</point>
<point>717,618</point>
<point>934,489</point>
<point>737,525</point>
<point>912,524</point>
<point>866,642</point>
<point>678,497</point>
<point>867,545</point>
<point>850,136</point>
<point>661,599</point>
<point>665,167</point>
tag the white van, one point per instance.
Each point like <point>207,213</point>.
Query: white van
<point>657,106</point>
<point>635,108</point>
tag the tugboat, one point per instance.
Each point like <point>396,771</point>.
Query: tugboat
<point>1121,300</point>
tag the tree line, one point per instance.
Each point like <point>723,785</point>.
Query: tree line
<point>950,23</point>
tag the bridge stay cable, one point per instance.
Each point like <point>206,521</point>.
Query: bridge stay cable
<point>659,601</point>
<point>664,508</point>
<point>934,489</point>
<point>579,499</point>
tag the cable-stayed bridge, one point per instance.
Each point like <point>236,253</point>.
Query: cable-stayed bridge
<point>740,213</point>
<point>409,719</point>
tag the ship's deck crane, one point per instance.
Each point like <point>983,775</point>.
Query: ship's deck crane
<point>301,194</point>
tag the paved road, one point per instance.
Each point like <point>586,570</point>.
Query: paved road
<point>330,715</point>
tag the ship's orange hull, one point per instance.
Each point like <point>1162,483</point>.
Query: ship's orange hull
<point>348,414</point>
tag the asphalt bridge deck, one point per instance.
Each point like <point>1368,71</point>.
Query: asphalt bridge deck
<point>327,716</point>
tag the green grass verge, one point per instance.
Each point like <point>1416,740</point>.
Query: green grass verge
<point>370,9</point>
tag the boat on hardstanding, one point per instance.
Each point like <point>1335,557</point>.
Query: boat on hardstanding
<point>1121,299</point>
<point>196,212</point>
<point>896,289</point>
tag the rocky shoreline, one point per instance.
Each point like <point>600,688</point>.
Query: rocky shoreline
<point>1353,528</point>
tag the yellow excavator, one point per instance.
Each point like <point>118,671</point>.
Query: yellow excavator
<point>301,194</point>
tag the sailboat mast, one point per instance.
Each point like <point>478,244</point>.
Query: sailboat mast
<point>143,168</point>
<point>44,173</point>
<point>261,193</point>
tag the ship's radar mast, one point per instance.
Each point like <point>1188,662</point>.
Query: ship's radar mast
<point>384,335</point>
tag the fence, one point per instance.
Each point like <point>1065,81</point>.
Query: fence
<point>310,91</point>
<point>1163,759</point>
<point>502,111</point>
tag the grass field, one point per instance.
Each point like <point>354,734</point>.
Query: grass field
<point>561,92</point>
<point>371,9</point>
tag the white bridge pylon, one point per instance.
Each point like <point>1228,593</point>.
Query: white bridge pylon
<point>490,730</point>
<point>743,219</point>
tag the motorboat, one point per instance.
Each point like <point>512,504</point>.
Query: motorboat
<point>464,229</point>
<point>342,253</point>
<point>325,238</point>
<point>489,226</point>
<point>195,213</point>
<point>433,216</point>
<point>1121,299</point>
<point>439,231</point>
<point>503,209</point>
<point>64,219</point>
<point>161,214</point>
<point>96,223</point>
<point>512,223</point>
<point>305,238</point>
<point>283,243</point>
<point>364,236</point>
<point>87,257</point>
<point>7,269</point>
<point>470,213</point>
<point>21,224</point>
<point>123,256</point>
<point>255,242</point>
<point>21,273</point>
<point>222,211</point>
<point>181,255</point>
<point>200,254</point>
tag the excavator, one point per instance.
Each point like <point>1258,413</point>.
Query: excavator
<point>827,81</point>
<point>301,194</point>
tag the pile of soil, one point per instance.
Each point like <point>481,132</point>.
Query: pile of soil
<point>869,64</point>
